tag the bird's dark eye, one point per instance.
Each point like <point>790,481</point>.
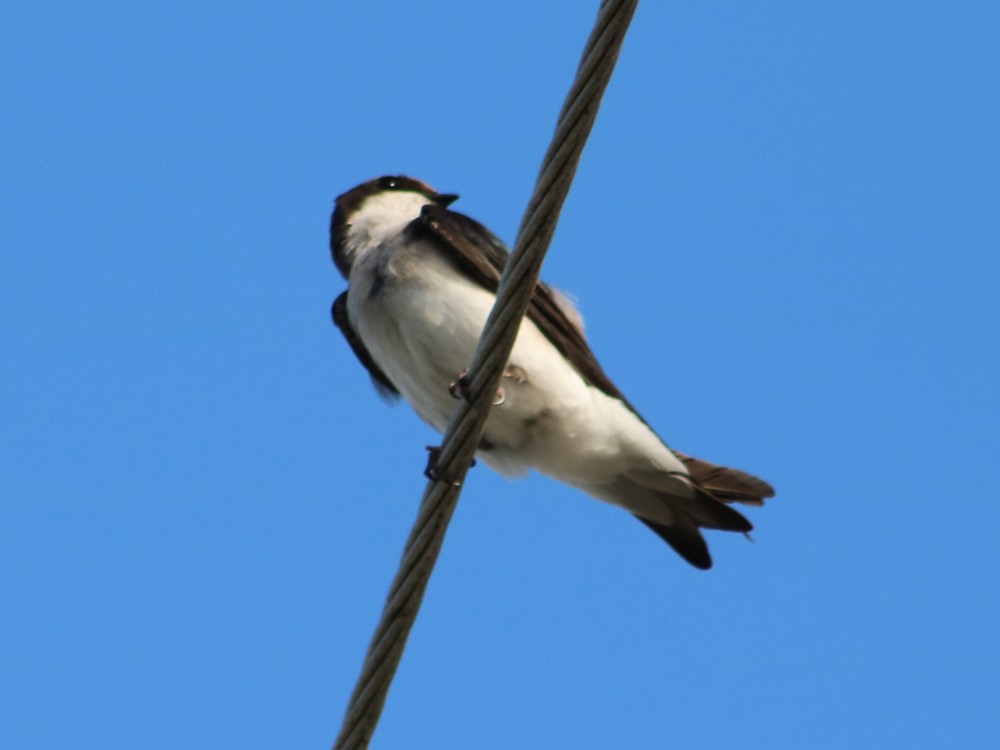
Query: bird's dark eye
<point>387,183</point>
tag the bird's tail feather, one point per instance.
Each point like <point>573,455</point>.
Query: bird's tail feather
<point>725,484</point>
<point>714,486</point>
<point>685,539</point>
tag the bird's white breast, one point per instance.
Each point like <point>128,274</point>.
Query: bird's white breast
<point>421,320</point>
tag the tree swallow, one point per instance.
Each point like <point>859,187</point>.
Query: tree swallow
<point>421,282</point>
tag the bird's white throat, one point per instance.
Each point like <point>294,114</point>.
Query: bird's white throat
<point>383,216</point>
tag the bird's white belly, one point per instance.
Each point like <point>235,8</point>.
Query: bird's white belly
<point>423,334</point>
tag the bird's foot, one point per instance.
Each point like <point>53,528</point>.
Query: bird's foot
<point>515,373</point>
<point>431,471</point>
<point>460,388</point>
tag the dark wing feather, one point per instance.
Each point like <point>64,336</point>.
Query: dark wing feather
<point>684,537</point>
<point>482,255</point>
<point>382,384</point>
<point>473,247</point>
<point>725,484</point>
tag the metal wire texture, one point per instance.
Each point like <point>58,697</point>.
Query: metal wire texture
<point>462,438</point>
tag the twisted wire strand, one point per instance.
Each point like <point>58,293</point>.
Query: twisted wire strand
<point>462,438</point>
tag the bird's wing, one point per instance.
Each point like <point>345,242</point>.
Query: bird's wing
<point>482,256</point>
<point>382,383</point>
<point>725,484</point>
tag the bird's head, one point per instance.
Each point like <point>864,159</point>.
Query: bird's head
<point>381,207</point>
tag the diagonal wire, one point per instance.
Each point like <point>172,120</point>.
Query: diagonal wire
<point>462,438</point>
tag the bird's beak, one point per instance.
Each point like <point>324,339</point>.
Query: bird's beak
<point>444,199</point>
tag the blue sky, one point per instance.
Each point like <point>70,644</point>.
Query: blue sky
<point>783,234</point>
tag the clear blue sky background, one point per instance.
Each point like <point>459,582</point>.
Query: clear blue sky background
<point>784,235</point>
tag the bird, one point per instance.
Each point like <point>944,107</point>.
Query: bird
<point>421,281</point>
